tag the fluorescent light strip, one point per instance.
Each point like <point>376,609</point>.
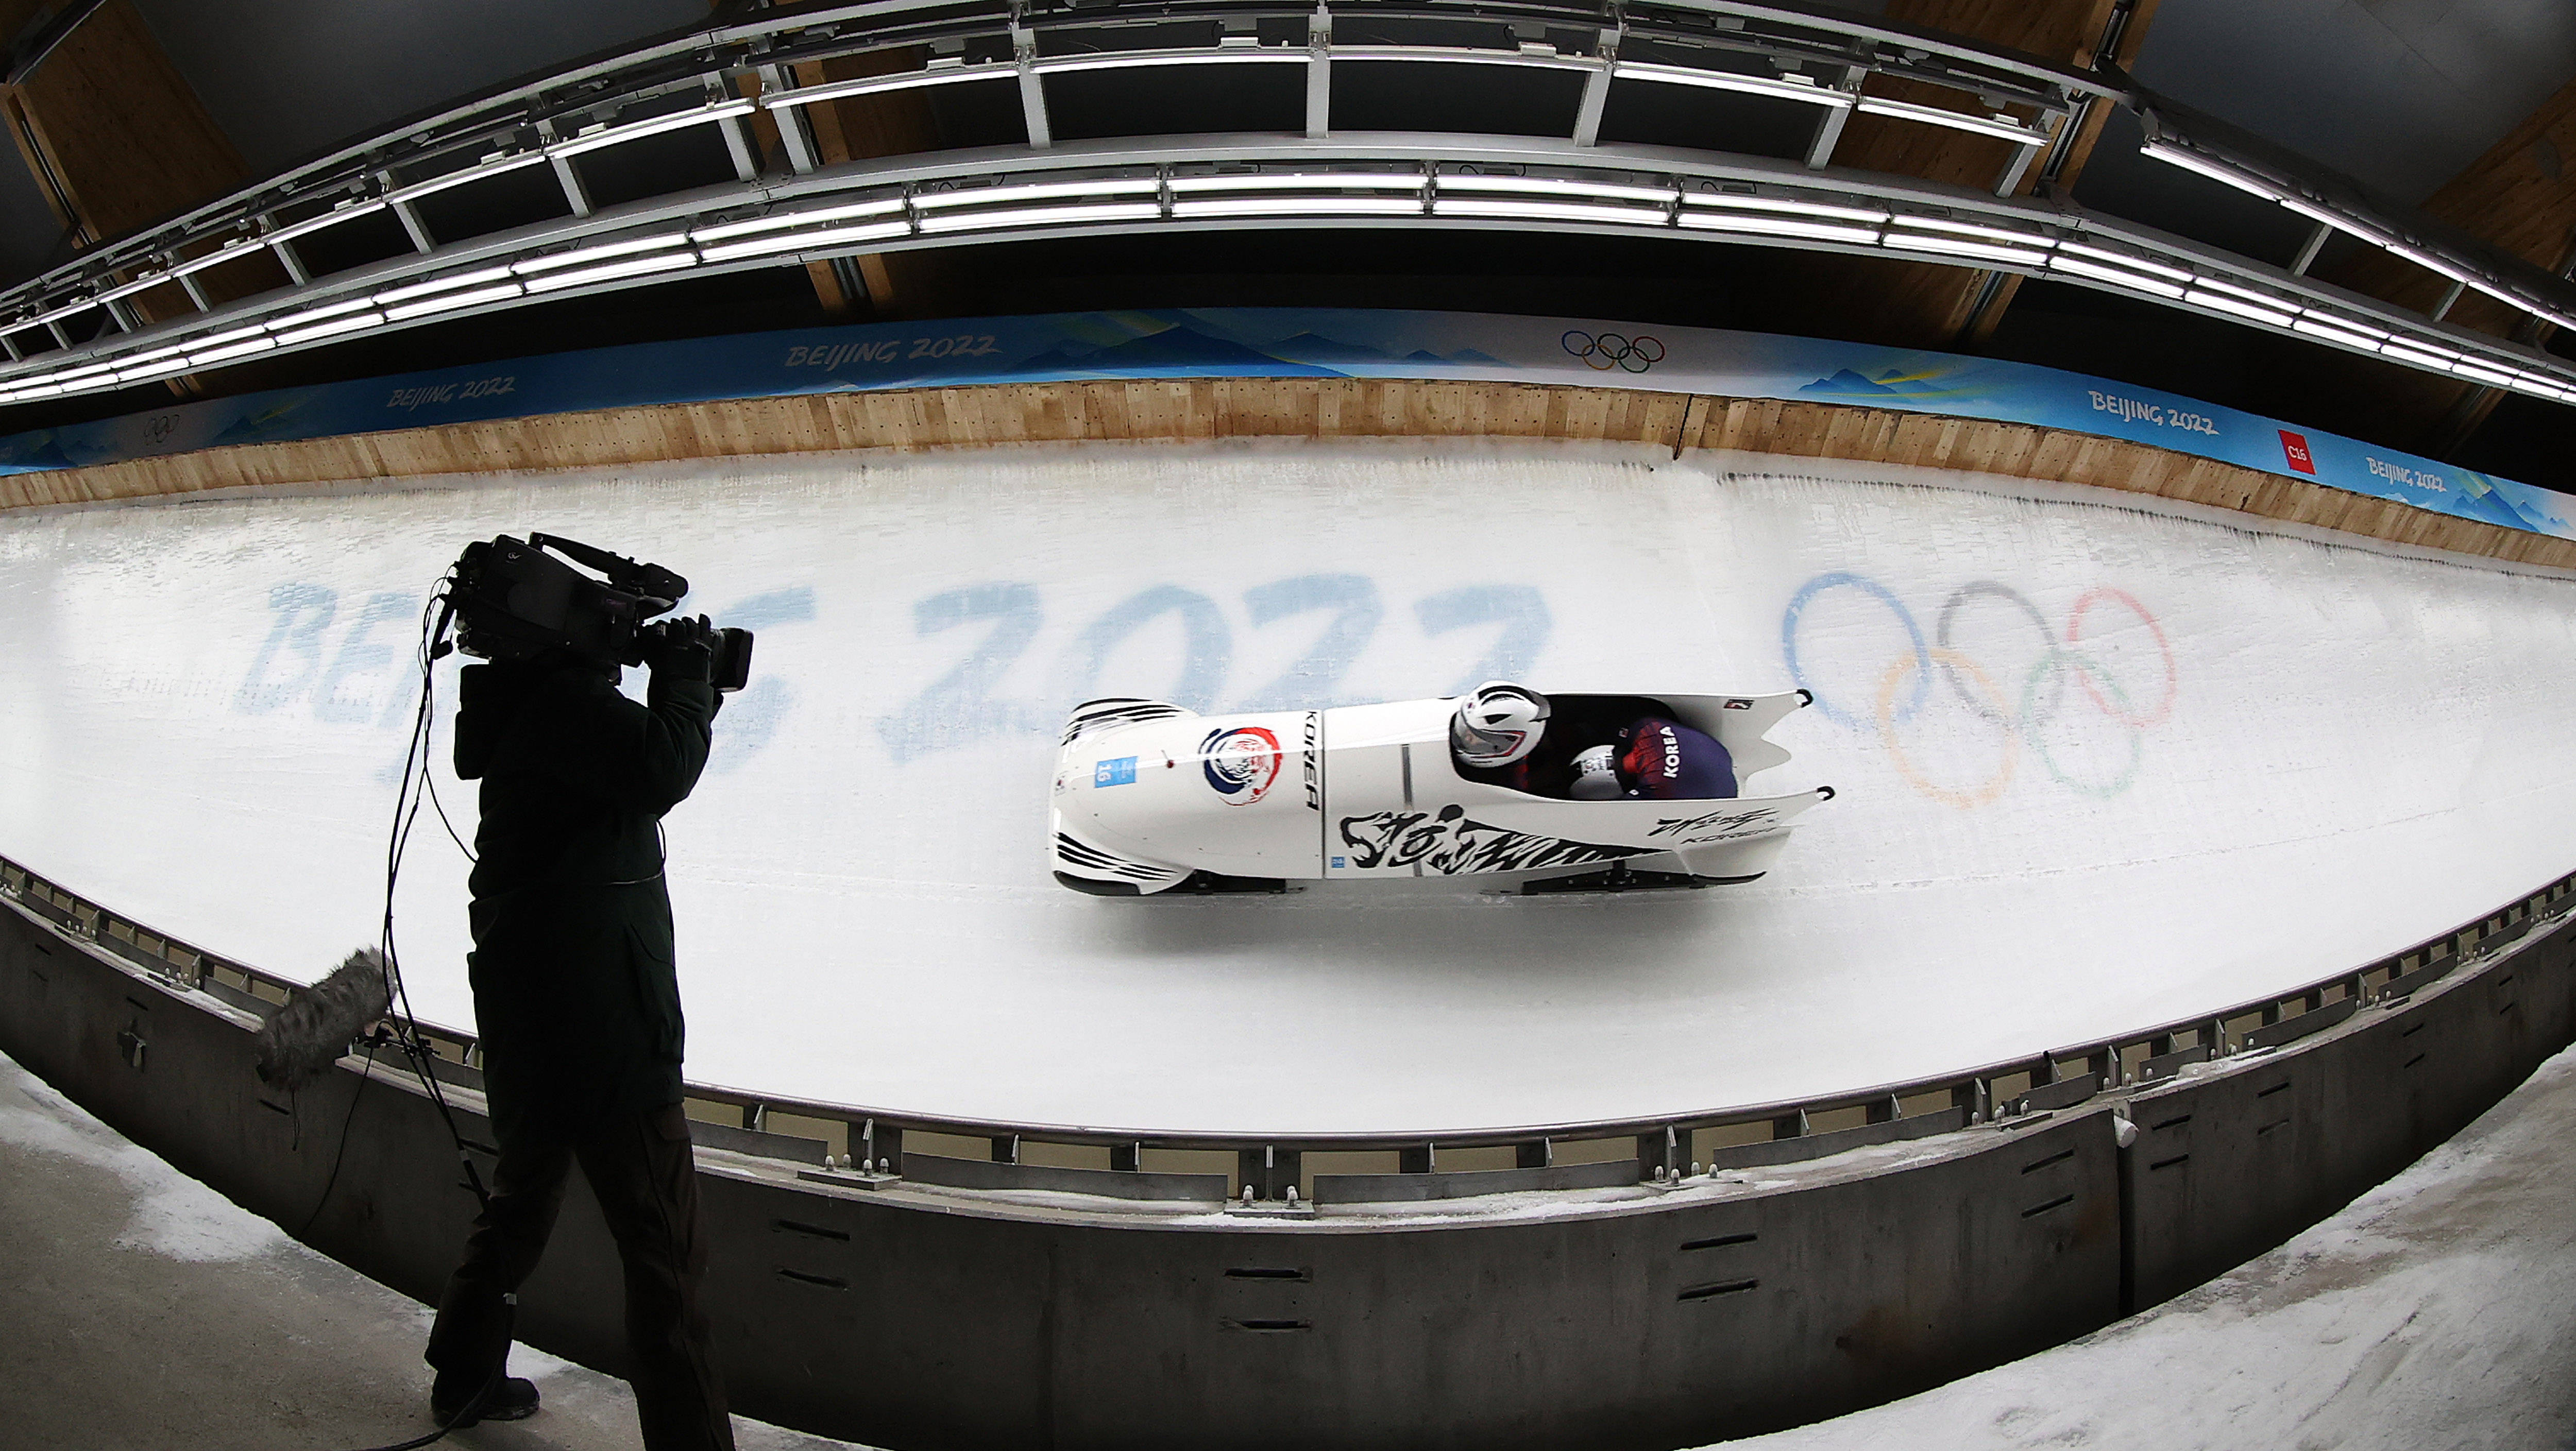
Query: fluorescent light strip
<point>302,316</point>
<point>2489,376</point>
<point>1300,181</point>
<point>258,344</point>
<point>781,220</point>
<point>1037,191</point>
<point>1042,217</point>
<point>2246,294</point>
<point>1973,229</point>
<point>1869,215</point>
<point>1773,227</point>
<point>1288,206</point>
<point>216,258</point>
<point>2413,357</point>
<point>875,85</point>
<point>347,212</point>
<point>1955,120</point>
<point>1554,186</point>
<point>803,241</point>
<point>1973,251</point>
<point>2317,329</point>
<point>65,375</point>
<point>2123,259</point>
<point>162,369</point>
<point>228,336</point>
<point>492,165</point>
<point>679,120</point>
<point>128,289</point>
<point>1461,55</point>
<point>1111,61</point>
<point>1547,211</point>
<point>633,267</point>
<point>2199,297</point>
<point>2118,277</point>
<point>584,255</point>
<point>2188,161</point>
<point>1730,81</point>
<point>442,284</point>
<point>453,301</point>
<point>337,327</point>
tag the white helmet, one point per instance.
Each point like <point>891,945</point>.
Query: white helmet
<point>1596,776</point>
<point>1497,724</point>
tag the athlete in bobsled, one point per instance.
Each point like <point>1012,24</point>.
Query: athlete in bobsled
<point>1514,737</point>
<point>1570,792</point>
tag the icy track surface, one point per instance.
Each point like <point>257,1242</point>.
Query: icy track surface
<point>2099,767</point>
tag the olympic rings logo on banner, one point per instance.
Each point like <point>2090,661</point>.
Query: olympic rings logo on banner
<point>1613,350</point>
<point>2024,709</point>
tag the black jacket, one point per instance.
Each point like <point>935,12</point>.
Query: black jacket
<point>576,994</point>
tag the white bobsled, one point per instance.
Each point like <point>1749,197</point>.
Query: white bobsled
<point>1150,797</point>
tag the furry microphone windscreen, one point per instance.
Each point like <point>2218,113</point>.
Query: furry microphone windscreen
<point>315,1025</point>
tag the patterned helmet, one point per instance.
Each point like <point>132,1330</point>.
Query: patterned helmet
<point>1497,724</point>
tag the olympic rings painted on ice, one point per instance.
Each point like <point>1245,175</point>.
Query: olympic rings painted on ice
<point>1839,580</point>
<point>1950,661</point>
<point>2043,691</point>
<point>1613,350</point>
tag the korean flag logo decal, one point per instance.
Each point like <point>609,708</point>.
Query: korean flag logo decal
<point>1241,763</point>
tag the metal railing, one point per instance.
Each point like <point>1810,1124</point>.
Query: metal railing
<point>717,80</point>
<point>871,1148</point>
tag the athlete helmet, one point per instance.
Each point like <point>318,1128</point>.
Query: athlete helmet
<point>1498,723</point>
<point>1596,775</point>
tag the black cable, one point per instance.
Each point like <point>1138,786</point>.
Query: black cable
<point>343,1151</point>
<point>404,1024</point>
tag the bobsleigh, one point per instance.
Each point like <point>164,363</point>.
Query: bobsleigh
<point>1151,798</point>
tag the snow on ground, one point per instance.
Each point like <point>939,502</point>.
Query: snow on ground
<point>2088,754</point>
<point>125,1272</point>
<point>2436,1311</point>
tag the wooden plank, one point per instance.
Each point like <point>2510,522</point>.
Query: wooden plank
<point>1145,410</point>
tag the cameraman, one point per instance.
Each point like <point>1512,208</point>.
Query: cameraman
<point>577,1002</point>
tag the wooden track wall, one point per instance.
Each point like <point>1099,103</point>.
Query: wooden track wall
<point>1210,408</point>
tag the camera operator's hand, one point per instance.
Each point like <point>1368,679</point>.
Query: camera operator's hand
<point>688,648</point>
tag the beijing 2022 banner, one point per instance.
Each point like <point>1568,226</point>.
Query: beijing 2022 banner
<point>1299,343</point>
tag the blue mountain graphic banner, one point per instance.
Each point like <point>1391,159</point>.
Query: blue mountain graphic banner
<point>1295,343</point>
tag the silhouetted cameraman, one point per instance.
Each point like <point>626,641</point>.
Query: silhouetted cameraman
<point>577,1003</point>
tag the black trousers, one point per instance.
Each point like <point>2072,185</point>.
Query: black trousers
<point>641,1171</point>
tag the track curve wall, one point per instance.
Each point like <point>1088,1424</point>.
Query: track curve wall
<point>2084,751</point>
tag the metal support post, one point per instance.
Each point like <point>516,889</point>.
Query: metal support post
<point>1033,111</point>
<point>1829,127</point>
<point>294,265</point>
<point>187,284</point>
<point>1319,73</point>
<point>415,228</point>
<point>793,131</point>
<point>2449,298</point>
<point>1596,89</point>
<point>575,194</point>
<point>738,145</point>
<point>2308,250</point>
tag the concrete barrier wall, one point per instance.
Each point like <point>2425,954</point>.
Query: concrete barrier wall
<point>1638,1316</point>
<point>2238,1157</point>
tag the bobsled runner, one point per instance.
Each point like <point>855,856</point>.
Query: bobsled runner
<point>1152,798</point>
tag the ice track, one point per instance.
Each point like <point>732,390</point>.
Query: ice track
<point>2099,767</point>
